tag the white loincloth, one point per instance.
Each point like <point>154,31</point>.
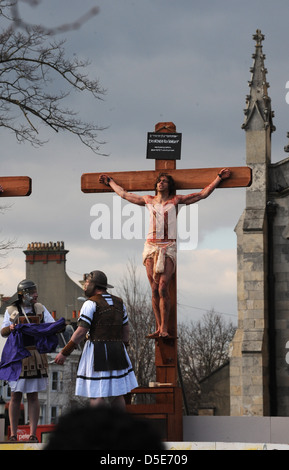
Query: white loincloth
<point>159,251</point>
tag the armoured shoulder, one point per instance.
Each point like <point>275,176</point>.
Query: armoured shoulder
<point>11,309</point>
<point>38,308</point>
<point>13,313</point>
<point>117,302</point>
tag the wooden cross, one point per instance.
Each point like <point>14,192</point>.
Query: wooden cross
<point>166,350</point>
<point>15,186</point>
<point>169,400</point>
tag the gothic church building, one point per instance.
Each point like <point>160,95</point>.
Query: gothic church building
<point>258,370</point>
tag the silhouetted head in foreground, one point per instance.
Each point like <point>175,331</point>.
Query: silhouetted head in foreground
<point>103,428</point>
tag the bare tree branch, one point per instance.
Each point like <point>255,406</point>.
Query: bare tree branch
<point>37,79</point>
<point>20,23</point>
<point>5,247</point>
<point>203,347</point>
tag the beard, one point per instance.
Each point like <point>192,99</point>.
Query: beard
<point>89,291</point>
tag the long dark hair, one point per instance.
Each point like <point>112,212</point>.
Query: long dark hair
<point>172,186</point>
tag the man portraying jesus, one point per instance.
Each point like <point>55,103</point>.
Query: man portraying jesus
<point>159,255</point>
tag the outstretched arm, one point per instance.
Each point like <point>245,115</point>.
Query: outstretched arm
<point>75,339</point>
<point>131,197</point>
<point>195,197</point>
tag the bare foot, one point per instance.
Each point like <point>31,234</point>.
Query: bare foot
<point>154,335</point>
<point>164,334</point>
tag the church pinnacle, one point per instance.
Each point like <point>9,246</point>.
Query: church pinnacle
<point>258,114</point>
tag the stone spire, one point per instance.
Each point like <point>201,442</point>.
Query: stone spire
<point>258,114</point>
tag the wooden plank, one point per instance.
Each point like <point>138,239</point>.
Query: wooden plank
<point>15,186</point>
<point>184,179</point>
<point>175,421</point>
<point>147,408</point>
<point>149,416</point>
<point>153,390</point>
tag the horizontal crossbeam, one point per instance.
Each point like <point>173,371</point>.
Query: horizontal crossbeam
<point>184,179</point>
<point>15,186</point>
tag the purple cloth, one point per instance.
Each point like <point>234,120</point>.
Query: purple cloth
<point>45,338</point>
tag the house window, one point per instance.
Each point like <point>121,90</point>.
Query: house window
<point>57,381</point>
<point>55,412</point>
<point>42,413</point>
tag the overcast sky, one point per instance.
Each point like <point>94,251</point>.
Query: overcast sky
<point>186,61</point>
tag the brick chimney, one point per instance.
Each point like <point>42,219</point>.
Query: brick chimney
<point>46,266</point>
<point>45,252</point>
